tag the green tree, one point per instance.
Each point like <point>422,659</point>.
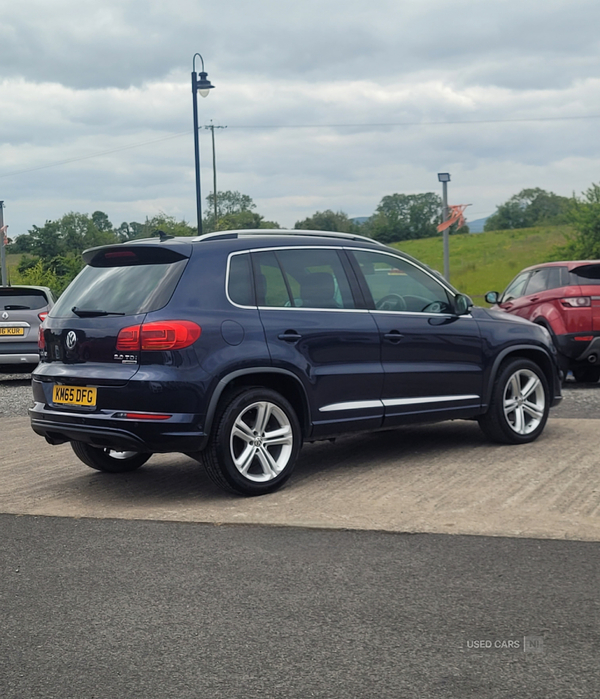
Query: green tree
<point>234,211</point>
<point>327,221</point>
<point>528,208</point>
<point>405,217</point>
<point>584,215</point>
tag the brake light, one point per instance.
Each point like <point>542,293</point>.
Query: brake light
<point>41,338</point>
<point>576,301</point>
<point>159,335</point>
<point>42,315</point>
<point>128,339</point>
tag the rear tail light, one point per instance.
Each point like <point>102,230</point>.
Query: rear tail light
<point>128,339</point>
<point>41,338</point>
<point>576,302</point>
<point>42,315</point>
<point>158,335</point>
<point>584,338</point>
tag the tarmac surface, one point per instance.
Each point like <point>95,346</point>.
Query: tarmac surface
<point>351,582</point>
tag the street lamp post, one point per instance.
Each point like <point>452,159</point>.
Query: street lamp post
<point>444,178</point>
<point>201,84</point>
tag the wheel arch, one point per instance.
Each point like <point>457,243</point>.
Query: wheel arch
<point>280,380</point>
<point>534,354</point>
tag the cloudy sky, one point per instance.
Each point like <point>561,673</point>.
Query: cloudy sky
<point>328,104</point>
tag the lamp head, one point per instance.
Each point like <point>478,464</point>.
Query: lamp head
<point>444,176</point>
<point>203,84</point>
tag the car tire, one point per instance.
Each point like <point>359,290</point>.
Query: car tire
<point>254,443</point>
<point>586,374</point>
<point>109,460</point>
<point>519,404</point>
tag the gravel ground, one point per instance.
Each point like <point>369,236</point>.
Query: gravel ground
<point>579,400</point>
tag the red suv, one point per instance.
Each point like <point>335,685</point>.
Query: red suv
<point>564,297</point>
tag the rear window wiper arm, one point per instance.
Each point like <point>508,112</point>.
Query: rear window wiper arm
<point>92,313</point>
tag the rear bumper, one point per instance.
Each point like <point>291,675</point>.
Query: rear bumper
<point>577,350</point>
<point>19,358</point>
<point>180,433</point>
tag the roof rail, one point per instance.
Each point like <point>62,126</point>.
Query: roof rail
<point>251,232</point>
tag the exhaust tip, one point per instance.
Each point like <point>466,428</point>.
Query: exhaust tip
<point>593,358</point>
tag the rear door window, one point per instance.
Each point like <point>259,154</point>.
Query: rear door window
<point>302,278</point>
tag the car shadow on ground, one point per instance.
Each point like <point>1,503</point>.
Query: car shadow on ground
<point>175,480</point>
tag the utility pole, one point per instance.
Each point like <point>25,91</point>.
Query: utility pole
<point>2,251</point>
<point>212,128</point>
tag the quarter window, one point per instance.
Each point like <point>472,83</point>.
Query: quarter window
<point>239,284</point>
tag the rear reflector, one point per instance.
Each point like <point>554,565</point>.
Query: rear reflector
<point>158,336</point>
<point>584,338</point>
<point>146,416</point>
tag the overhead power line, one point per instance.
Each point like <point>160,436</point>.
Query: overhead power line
<point>365,125</point>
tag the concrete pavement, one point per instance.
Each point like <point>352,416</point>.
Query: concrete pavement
<point>441,478</point>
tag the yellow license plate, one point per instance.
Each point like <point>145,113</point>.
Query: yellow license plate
<point>74,395</point>
<point>12,331</point>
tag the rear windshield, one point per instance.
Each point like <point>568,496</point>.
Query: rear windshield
<point>586,275</point>
<point>22,300</point>
<point>123,289</point>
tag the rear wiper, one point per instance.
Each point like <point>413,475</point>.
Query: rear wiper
<point>90,313</point>
<point>14,307</point>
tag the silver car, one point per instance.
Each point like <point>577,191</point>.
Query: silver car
<point>22,310</point>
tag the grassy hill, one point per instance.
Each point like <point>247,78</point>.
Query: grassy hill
<point>488,261</point>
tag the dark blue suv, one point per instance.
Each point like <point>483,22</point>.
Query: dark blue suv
<point>236,347</point>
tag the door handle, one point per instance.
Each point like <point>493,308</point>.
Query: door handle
<point>534,298</point>
<point>394,336</point>
<point>289,336</point>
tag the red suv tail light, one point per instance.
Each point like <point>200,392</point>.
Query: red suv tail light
<point>42,315</point>
<point>576,301</point>
<point>159,335</point>
<point>41,338</point>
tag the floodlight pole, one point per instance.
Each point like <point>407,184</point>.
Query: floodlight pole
<point>4,280</point>
<point>444,178</point>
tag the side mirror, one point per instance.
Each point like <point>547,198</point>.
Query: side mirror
<point>492,297</point>
<point>462,304</point>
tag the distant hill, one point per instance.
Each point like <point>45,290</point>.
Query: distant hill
<point>360,219</point>
<point>477,225</point>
